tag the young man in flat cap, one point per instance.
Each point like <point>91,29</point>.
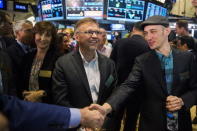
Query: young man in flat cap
<point>168,80</point>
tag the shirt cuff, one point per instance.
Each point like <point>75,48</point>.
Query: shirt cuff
<point>75,117</point>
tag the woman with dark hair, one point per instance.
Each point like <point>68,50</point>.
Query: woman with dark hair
<point>39,64</point>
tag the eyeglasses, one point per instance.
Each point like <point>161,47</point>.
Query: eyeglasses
<point>91,32</point>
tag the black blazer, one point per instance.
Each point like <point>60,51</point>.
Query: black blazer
<point>124,53</point>
<point>147,71</point>
<point>6,72</point>
<point>70,84</point>
<point>16,54</point>
<point>45,73</point>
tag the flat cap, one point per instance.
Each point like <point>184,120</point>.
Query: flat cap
<point>156,20</point>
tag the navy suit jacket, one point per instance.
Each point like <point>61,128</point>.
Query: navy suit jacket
<point>27,116</point>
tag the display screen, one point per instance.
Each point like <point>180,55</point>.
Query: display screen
<point>153,9</point>
<point>117,27</point>
<point>52,9</point>
<point>3,4</point>
<point>162,1</point>
<point>20,7</point>
<point>77,9</point>
<point>126,10</point>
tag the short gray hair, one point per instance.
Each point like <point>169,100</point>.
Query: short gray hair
<point>18,25</point>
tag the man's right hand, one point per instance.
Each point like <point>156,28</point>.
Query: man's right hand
<point>91,118</point>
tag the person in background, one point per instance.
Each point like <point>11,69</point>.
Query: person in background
<point>182,28</point>
<point>124,53</point>
<point>38,65</point>
<point>104,47</point>
<point>167,78</point>
<point>6,31</point>
<point>60,43</point>
<point>69,43</point>
<point>24,39</point>
<point>187,43</point>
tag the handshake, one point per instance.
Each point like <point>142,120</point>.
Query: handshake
<point>94,115</point>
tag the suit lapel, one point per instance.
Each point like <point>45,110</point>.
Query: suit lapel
<point>175,68</point>
<point>157,71</point>
<point>81,74</point>
<point>103,71</point>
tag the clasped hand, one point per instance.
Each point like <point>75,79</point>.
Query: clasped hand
<point>93,116</point>
<point>174,103</point>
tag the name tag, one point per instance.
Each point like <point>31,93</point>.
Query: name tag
<point>45,73</point>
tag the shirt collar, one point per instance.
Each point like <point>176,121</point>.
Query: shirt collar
<point>163,56</point>
<point>24,47</point>
<point>85,61</point>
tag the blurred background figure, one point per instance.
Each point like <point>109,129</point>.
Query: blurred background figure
<point>6,31</point>
<point>104,47</point>
<point>39,64</point>
<point>186,43</point>
<point>69,43</point>
<point>182,28</point>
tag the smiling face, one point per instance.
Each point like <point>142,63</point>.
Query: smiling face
<point>156,36</point>
<point>87,41</point>
<point>43,40</point>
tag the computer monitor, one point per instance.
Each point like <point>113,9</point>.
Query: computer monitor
<point>3,5</point>
<point>52,9</point>
<point>117,27</point>
<point>153,9</point>
<point>161,1</point>
<point>125,10</point>
<point>21,7</point>
<point>78,9</point>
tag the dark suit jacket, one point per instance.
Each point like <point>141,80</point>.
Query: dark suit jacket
<point>124,53</point>
<point>147,71</point>
<point>27,116</point>
<point>70,84</point>
<point>45,73</point>
<point>6,72</point>
<point>16,54</point>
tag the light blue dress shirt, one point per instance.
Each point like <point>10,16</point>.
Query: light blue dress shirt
<point>75,117</point>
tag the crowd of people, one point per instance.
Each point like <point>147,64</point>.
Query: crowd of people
<point>53,80</point>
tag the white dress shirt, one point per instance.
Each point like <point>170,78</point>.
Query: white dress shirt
<point>93,75</point>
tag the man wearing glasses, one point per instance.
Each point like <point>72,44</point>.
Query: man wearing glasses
<point>84,76</point>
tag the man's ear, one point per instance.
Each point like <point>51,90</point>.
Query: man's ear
<point>168,30</point>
